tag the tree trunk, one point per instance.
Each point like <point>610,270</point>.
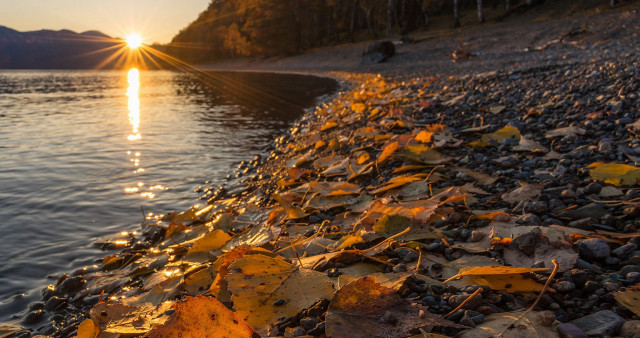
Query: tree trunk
<point>480,16</point>
<point>529,2</point>
<point>352,29</point>
<point>456,13</point>
<point>613,3</point>
<point>507,6</point>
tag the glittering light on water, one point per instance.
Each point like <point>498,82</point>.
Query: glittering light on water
<point>134,103</point>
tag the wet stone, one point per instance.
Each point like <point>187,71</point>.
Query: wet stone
<point>601,323</point>
<point>593,249</point>
<point>569,330</point>
<point>593,188</point>
<point>55,303</point>
<point>630,329</point>
<point>624,250</point>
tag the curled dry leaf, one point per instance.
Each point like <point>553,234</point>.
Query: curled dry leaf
<point>364,308</point>
<point>213,240</point>
<point>614,173</point>
<point>202,317</point>
<point>334,188</point>
<point>292,211</point>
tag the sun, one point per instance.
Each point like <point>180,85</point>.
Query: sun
<point>133,41</point>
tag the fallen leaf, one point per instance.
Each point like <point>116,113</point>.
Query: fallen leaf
<point>527,192</point>
<point>213,240</point>
<point>364,308</point>
<point>329,125</point>
<point>174,227</point>
<point>516,324</point>
<point>423,154</point>
<point>609,191</point>
<point>202,317</point>
<point>266,288</point>
<point>500,278</point>
<point>502,134</point>
<point>334,188</point>
<point>566,131</point>
<point>86,329</point>
<point>614,173</point>
<point>566,257</point>
<point>396,182</point>
<point>629,299</point>
<point>530,145</point>
<point>387,151</point>
<point>482,178</point>
<point>292,211</point>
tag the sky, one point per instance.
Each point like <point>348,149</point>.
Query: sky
<point>154,20</point>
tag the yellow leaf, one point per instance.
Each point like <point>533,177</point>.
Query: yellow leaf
<point>174,228</point>
<point>496,270</point>
<point>396,182</point>
<point>329,125</point>
<point>213,240</point>
<point>87,329</point>
<point>388,150</point>
<point>320,144</point>
<point>358,107</point>
<point>502,134</point>
<point>500,278</point>
<point>203,317</point>
<point>265,289</point>
<point>334,188</point>
<point>292,212</point>
<point>409,167</point>
<point>614,173</point>
<point>423,154</point>
<point>424,136</point>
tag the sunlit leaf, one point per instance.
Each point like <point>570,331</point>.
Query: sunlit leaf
<point>329,125</point>
<point>266,288</point>
<point>502,134</point>
<point>388,150</point>
<point>423,154</point>
<point>614,173</point>
<point>210,241</point>
<point>202,317</point>
<point>292,211</point>
<point>87,329</point>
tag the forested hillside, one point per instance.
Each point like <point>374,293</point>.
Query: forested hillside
<point>229,28</point>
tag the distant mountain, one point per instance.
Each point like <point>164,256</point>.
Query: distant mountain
<point>49,49</point>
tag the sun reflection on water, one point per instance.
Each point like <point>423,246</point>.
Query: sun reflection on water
<point>134,103</point>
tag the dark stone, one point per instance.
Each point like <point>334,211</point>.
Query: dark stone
<point>318,330</point>
<point>601,323</point>
<point>33,317</point>
<point>593,249</point>
<point>593,188</point>
<point>69,285</point>
<point>55,303</point>
<point>378,52</point>
<point>568,330</point>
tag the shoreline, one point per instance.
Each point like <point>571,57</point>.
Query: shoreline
<point>402,111</point>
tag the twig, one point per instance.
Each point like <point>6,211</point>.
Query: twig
<point>470,298</point>
<point>546,285</point>
<point>419,260</point>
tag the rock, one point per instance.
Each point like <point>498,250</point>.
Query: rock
<point>55,303</point>
<point>536,207</point>
<point>564,286</point>
<point>630,329</point>
<point>476,235</point>
<point>568,194</point>
<point>592,210</point>
<point>527,242</point>
<point>593,188</point>
<point>601,323</point>
<point>69,285</point>
<point>611,286</point>
<point>467,321</point>
<point>378,52</point>
<point>629,268</point>
<point>309,323</point>
<point>568,330</point>
<point>530,219</point>
<point>318,330</point>
<point>624,251</point>
<point>456,300</point>
<point>593,249</point>
<point>33,317</point>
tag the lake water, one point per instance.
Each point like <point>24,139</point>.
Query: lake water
<point>81,152</point>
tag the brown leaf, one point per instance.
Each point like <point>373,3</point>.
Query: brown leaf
<point>364,308</point>
<point>566,131</point>
<point>511,325</point>
<point>527,192</point>
<point>629,299</point>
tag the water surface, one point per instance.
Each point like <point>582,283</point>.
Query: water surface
<point>82,151</point>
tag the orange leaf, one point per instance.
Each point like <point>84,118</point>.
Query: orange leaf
<point>203,317</point>
<point>388,150</point>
